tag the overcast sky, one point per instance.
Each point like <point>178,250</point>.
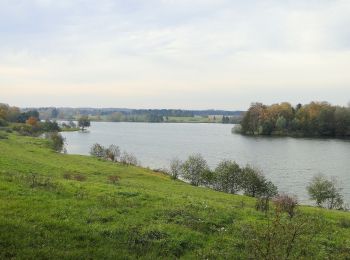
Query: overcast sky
<point>194,54</point>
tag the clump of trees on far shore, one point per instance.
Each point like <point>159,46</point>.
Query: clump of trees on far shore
<point>25,123</point>
<point>10,114</point>
<point>313,119</point>
<point>84,122</point>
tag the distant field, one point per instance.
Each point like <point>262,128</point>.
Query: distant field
<point>77,207</point>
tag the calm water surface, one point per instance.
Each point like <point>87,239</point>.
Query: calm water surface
<point>289,162</point>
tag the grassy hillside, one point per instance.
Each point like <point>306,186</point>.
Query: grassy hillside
<point>68,206</point>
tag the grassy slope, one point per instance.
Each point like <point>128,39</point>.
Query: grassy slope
<point>146,214</point>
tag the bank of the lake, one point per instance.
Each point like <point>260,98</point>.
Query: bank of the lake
<point>67,206</point>
<point>289,162</point>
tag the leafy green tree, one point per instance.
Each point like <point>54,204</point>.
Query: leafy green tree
<point>313,119</point>
<point>228,177</point>
<point>12,114</point>
<point>50,126</point>
<point>194,168</point>
<point>325,192</point>
<point>208,178</point>
<point>57,141</point>
<point>251,120</point>
<point>84,122</point>
<point>267,127</point>
<point>54,113</point>
<point>281,123</point>
<point>23,117</point>
<point>255,184</point>
<point>325,119</point>
<point>342,121</point>
<point>3,122</point>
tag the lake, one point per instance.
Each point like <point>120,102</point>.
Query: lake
<point>288,162</point>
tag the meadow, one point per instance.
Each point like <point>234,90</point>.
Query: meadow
<point>55,205</point>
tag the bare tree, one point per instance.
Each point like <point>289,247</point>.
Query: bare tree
<point>175,170</point>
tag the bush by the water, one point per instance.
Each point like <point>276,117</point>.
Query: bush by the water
<point>113,154</point>
<point>57,141</point>
<point>227,177</point>
<point>325,192</point>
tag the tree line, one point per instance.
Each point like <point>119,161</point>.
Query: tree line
<point>129,115</point>
<point>313,119</point>
<point>229,177</point>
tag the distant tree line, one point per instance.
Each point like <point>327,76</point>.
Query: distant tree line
<point>14,114</point>
<point>129,115</point>
<point>313,119</point>
<point>28,123</point>
<point>231,119</point>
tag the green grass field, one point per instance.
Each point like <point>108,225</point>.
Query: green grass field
<point>67,206</point>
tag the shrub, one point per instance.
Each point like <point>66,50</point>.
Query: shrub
<point>33,121</point>
<point>56,140</point>
<point>344,223</point>
<point>3,122</point>
<point>36,181</point>
<point>67,176</point>
<point>175,168</point>
<point>286,203</point>
<point>50,126</point>
<point>325,192</point>
<point>79,177</point>
<point>283,237</point>
<point>262,204</point>
<point>194,168</point>
<point>114,179</point>
<point>129,159</point>
<point>98,151</point>
<point>26,130</point>
<point>112,153</point>
<point>237,129</point>
<point>208,178</point>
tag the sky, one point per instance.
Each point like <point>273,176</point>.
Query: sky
<point>190,54</point>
